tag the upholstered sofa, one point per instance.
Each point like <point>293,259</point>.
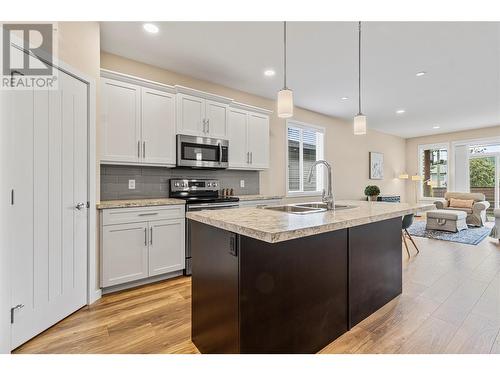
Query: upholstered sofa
<point>476,215</point>
<point>495,232</point>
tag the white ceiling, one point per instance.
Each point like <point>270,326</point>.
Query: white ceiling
<point>461,89</point>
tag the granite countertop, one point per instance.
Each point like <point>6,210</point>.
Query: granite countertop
<point>139,203</point>
<point>258,197</point>
<point>274,226</point>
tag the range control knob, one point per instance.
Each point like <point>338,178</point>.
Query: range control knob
<point>214,184</point>
<point>176,184</point>
<point>209,184</point>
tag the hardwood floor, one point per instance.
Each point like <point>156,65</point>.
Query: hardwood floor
<point>450,304</point>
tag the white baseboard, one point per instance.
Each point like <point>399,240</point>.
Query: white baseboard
<point>133,284</point>
<point>95,295</point>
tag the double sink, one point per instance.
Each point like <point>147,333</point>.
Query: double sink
<point>307,208</point>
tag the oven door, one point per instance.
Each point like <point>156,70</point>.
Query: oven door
<point>201,152</point>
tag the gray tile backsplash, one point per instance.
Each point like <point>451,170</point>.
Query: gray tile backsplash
<point>152,182</point>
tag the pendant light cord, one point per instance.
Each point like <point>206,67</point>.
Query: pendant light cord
<point>284,54</point>
<point>359,67</point>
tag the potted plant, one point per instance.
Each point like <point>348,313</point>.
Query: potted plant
<point>372,192</point>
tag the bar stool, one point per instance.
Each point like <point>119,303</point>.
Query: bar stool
<point>407,222</point>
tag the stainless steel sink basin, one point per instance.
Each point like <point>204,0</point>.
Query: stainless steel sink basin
<point>296,209</point>
<point>323,205</point>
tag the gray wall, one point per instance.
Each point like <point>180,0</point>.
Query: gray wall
<point>152,182</point>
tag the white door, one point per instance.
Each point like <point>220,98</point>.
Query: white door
<point>258,140</point>
<point>5,253</point>
<point>216,117</point>
<point>191,115</point>
<point>166,246</point>
<point>48,232</point>
<point>158,127</point>
<point>237,132</point>
<point>120,128</point>
<point>124,252</point>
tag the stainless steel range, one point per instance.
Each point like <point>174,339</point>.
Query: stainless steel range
<point>199,194</point>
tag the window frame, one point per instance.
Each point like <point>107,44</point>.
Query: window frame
<point>421,149</point>
<point>321,155</point>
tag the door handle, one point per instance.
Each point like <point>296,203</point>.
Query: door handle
<point>204,125</point>
<point>144,149</point>
<point>220,153</point>
<point>80,206</point>
<point>13,310</point>
<point>138,149</point>
<point>151,235</point>
<point>208,125</point>
<point>145,236</point>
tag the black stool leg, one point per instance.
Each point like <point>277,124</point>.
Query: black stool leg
<point>413,242</point>
<point>406,245</point>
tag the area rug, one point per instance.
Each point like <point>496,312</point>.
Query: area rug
<point>471,236</point>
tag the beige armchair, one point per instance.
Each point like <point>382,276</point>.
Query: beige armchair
<point>476,215</point>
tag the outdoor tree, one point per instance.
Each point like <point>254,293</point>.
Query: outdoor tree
<point>482,172</point>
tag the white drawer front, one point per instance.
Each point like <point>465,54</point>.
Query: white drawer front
<point>140,214</point>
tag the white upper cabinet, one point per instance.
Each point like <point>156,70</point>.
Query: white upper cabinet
<point>216,119</point>
<point>158,127</point>
<point>201,116</point>
<point>120,121</point>
<point>258,140</point>
<point>191,115</point>
<point>248,139</point>
<point>238,152</point>
<point>140,120</point>
<point>138,123</point>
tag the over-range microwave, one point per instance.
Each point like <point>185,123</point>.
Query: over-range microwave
<point>202,152</point>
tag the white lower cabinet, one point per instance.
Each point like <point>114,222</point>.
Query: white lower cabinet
<point>137,250</point>
<point>166,246</point>
<point>124,253</point>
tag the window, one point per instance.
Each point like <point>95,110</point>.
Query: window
<point>305,145</point>
<point>433,162</point>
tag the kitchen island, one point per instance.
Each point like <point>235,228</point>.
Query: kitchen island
<point>267,281</point>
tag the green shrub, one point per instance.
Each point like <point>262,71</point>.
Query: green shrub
<point>372,190</point>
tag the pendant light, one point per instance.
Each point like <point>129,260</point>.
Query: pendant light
<point>360,118</point>
<point>285,95</point>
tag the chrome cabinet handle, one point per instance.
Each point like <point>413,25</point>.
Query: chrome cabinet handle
<point>204,125</point>
<point>151,235</point>
<point>80,206</point>
<point>208,125</point>
<point>251,157</point>
<point>148,214</point>
<point>144,149</point>
<point>220,153</point>
<point>138,149</point>
<point>145,236</point>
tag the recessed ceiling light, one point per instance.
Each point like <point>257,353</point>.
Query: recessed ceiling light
<point>269,73</point>
<point>400,111</point>
<point>436,127</point>
<point>344,98</point>
<point>151,28</point>
<point>420,74</point>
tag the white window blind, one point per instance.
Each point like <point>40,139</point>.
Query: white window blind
<point>305,145</point>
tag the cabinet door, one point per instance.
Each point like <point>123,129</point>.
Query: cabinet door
<point>120,127</point>
<point>216,115</point>
<point>158,127</point>
<point>237,132</point>
<point>166,246</point>
<point>190,115</point>
<point>124,251</point>
<point>258,140</point>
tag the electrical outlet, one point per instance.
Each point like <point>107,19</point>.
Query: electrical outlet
<point>242,183</point>
<point>131,184</point>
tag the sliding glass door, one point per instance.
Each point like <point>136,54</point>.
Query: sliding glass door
<point>484,173</point>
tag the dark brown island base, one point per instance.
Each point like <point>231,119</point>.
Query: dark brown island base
<point>292,296</point>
